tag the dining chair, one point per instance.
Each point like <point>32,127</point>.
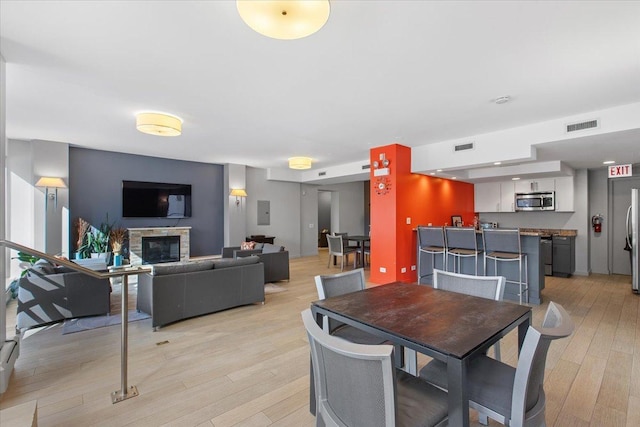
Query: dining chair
<point>511,396</point>
<point>431,241</point>
<point>336,248</point>
<point>462,243</point>
<point>503,245</point>
<point>357,385</point>
<point>339,284</point>
<point>490,287</point>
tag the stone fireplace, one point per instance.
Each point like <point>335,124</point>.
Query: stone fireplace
<point>156,247</point>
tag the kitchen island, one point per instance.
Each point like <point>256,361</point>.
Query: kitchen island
<point>530,240</point>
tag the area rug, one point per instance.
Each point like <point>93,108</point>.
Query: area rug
<point>93,322</point>
<point>270,288</point>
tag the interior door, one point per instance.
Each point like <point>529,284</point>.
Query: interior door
<point>621,200</point>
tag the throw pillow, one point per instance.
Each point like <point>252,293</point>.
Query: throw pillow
<point>247,245</point>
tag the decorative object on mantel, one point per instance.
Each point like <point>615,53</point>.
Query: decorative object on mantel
<point>118,237</point>
<point>284,20</point>
<point>81,226</point>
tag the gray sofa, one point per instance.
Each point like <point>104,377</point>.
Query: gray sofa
<point>275,259</point>
<point>175,292</point>
<point>50,294</point>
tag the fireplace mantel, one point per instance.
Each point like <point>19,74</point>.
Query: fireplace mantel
<point>136,235</point>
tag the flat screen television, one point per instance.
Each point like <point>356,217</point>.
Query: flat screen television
<point>155,200</point>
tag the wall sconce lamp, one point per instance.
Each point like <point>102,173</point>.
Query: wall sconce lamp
<point>49,182</point>
<point>238,192</point>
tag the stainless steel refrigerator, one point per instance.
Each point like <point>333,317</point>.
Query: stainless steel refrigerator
<point>633,237</point>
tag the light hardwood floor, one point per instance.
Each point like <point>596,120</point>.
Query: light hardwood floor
<point>249,366</point>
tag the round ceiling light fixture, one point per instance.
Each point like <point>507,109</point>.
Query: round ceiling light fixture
<point>160,124</point>
<point>282,19</point>
<point>300,163</point>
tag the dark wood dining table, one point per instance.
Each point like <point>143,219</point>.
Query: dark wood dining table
<point>447,326</point>
<point>360,240</point>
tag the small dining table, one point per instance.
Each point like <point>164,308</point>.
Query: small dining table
<point>360,240</point>
<point>447,326</point>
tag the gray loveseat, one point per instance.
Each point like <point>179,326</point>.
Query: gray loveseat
<point>275,259</point>
<point>51,294</point>
<point>175,292</point>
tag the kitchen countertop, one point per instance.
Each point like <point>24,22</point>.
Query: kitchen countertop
<point>545,232</point>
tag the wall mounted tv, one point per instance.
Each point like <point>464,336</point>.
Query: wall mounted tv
<point>155,200</point>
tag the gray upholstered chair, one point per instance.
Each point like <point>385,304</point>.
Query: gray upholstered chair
<point>431,241</point>
<point>340,284</point>
<point>336,248</point>
<point>511,396</point>
<point>490,287</point>
<point>503,245</point>
<point>358,385</point>
<point>462,243</point>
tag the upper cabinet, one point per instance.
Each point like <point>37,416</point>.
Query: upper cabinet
<point>564,194</point>
<point>535,185</point>
<point>499,196</point>
<point>494,197</point>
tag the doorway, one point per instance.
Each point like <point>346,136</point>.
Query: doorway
<point>324,217</point>
<point>620,201</point>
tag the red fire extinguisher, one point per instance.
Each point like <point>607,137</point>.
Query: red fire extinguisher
<point>596,222</point>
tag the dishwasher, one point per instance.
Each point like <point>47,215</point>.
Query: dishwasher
<point>546,243</point>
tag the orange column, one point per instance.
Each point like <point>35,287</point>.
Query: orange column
<point>400,201</point>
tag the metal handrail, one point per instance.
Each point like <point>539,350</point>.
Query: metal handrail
<point>125,392</point>
<point>126,271</point>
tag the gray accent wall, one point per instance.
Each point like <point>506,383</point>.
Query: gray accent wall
<point>598,204</point>
<point>95,188</point>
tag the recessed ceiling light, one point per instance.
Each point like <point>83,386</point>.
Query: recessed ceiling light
<point>497,163</point>
<point>502,99</point>
<point>515,178</point>
<point>608,162</point>
<point>432,173</point>
<point>438,170</point>
<point>454,177</point>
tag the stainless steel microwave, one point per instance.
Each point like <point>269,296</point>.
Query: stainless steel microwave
<point>542,201</point>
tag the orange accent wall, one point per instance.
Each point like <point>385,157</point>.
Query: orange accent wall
<point>423,199</point>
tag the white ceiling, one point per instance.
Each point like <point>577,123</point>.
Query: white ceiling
<point>379,72</point>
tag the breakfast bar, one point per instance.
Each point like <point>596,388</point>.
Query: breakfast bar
<point>531,242</point>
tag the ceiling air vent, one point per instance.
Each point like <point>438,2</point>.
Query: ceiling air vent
<point>582,126</point>
<point>463,147</point>
<point>322,173</point>
<point>367,166</point>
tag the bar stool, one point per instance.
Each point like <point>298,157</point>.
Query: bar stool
<point>431,241</point>
<point>503,245</point>
<point>461,243</point>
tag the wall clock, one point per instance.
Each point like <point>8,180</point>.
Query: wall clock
<point>382,185</point>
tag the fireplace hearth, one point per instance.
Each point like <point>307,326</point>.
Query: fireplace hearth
<point>159,249</point>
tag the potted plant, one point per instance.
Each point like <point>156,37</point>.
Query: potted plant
<point>98,240</point>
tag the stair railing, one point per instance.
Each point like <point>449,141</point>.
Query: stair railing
<point>125,392</point>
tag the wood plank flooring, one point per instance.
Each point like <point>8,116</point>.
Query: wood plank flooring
<point>249,366</point>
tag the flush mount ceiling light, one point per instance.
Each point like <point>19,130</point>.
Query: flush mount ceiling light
<point>300,163</point>
<point>502,99</point>
<point>159,124</point>
<point>284,20</point>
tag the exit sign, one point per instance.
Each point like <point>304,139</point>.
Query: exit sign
<point>617,171</point>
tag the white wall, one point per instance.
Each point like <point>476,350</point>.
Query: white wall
<point>3,151</point>
<point>235,223</point>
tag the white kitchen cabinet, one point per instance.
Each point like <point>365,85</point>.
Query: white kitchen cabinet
<point>487,197</point>
<point>564,194</point>
<point>507,193</point>
<point>494,196</point>
<point>535,185</point>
